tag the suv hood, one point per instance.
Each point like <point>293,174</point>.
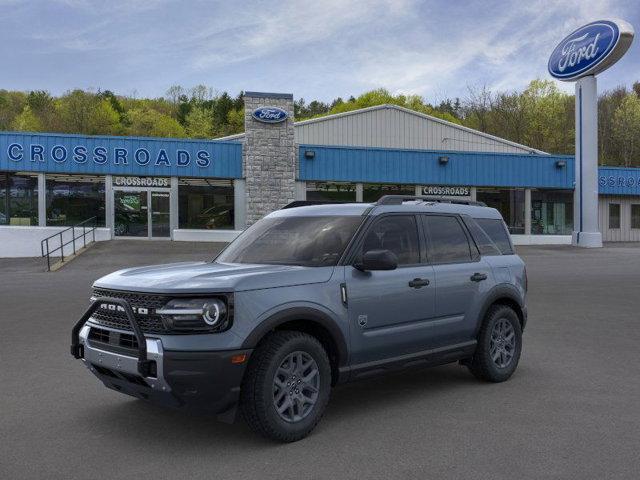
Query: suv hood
<point>202,277</point>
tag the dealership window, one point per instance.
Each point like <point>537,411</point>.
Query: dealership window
<point>18,199</point>
<point>331,191</point>
<point>635,215</point>
<point>205,204</point>
<point>551,212</point>
<point>72,199</point>
<point>614,215</point>
<point>509,202</point>
<point>373,191</point>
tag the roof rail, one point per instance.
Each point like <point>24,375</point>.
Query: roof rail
<point>306,203</point>
<point>400,199</point>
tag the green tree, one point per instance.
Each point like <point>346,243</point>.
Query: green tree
<point>609,151</point>
<point>75,109</point>
<point>545,105</point>
<point>198,123</point>
<point>147,122</point>
<point>27,121</point>
<point>11,105</point>
<point>104,120</point>
<point>235,121</point>
<point>43,105</point>
<point>626,129</point>
<point>382,96</point>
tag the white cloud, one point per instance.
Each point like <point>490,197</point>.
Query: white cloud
<point>288,25</point>
<point>318,49</point>
<point>504,51</point>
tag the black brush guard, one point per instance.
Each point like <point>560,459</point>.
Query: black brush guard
<point>144,365</point>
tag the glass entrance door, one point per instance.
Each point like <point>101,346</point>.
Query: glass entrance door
<point>141,213</point>
<point>131,213</point>
<point>160,226</point>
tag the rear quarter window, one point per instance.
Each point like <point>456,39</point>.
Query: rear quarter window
<point>497,232</point>
<point>485,245</point>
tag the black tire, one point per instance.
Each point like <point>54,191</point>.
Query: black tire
<point>483,364</point>
<point>258,392</point>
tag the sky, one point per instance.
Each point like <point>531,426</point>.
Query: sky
<point>315,49</point>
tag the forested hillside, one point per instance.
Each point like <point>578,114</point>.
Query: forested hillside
<point>541,116</point>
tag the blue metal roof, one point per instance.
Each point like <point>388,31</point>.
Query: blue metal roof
<point>423,167</point>
<point>58,153</point>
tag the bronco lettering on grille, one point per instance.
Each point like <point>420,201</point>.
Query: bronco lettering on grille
<point>118,308</point>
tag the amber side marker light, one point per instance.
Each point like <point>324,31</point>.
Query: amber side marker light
<point>237,359</point>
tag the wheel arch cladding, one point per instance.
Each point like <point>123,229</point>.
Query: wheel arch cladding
<point>504,295</point>
<point>312,322</point>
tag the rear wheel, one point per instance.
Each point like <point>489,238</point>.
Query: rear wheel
<point>499,345</point>
<point>287,386</point>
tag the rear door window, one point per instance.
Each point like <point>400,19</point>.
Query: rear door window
<point>497,232</point>
<point>447,240</point>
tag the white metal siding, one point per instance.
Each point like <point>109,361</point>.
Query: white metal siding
<point>395,128</point>
<point>625,233</point>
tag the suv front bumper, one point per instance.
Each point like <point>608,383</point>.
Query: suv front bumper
<point>205,380</point>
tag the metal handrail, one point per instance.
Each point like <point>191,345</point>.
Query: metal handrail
<point>86,230</point>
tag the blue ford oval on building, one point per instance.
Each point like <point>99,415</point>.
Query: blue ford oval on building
<point>270,114</point>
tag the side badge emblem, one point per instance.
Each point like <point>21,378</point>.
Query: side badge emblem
<point>362,320</point>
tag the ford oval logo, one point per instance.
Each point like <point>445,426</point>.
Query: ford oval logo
<point>584,51</point>
<point>270,114</point>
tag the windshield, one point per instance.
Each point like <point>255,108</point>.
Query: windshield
<point>305,241</point>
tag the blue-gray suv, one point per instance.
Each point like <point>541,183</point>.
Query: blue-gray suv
<point>307,298</point>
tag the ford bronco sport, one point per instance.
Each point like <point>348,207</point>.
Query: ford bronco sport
<point>307,298</point>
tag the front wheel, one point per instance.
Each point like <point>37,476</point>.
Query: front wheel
<point>287,386</point>
<point>499,345</point>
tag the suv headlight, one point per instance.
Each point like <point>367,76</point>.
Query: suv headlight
<point>195,314</point>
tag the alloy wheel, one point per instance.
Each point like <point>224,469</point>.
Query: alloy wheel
<point>296,385</point>
<point>503,343</point>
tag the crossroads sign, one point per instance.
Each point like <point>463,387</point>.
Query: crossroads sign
<point>446,191</point>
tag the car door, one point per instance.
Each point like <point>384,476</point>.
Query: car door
<point>461,277</point>
<point>389,311</point>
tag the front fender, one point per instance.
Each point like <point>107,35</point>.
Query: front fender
<point>301,311</point>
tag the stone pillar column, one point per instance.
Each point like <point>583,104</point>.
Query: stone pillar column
<point>359,192</point>
<point>270,162</point>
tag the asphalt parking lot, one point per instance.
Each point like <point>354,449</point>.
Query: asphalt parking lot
<point>570,412</point>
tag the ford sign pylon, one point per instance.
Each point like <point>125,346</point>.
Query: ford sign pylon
<point>584,53</point>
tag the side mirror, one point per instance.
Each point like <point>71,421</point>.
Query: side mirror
<point>377,260</point>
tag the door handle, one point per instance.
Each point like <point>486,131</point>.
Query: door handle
<point>418,282</point>
<point>478,277</point>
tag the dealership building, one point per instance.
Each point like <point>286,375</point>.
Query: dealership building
<point>211,190</point>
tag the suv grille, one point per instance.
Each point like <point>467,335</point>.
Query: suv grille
<point>149,323</point>
<point>123,343</point>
